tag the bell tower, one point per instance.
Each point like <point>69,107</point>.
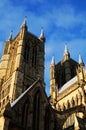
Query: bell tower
<point>22,62</point>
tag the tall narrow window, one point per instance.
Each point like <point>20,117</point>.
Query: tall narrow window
<point>36,112</point>
<point>25,114</point>
<point>34,55</point>
<point>26,53</point>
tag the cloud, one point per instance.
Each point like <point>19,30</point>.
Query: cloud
<point>67,17</point>
<point>61,22</point>
<point>77,46</point>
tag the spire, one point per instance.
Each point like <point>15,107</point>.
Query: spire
<point>80,60</point>
<point>42,35</point>
<point>24,24</point>
<point>10,36</point>
<point>66,50</point>
<point>52,61</point>
<point>66,53</point>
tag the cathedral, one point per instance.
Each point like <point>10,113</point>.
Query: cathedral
<point>24,104</point>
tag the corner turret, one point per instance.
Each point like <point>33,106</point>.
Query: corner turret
<point>80,70</point>
<point>53,86</point>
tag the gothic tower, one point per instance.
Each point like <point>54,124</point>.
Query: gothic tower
<point>22,62</point>
<point>62,72</point>
<point>68,92</point>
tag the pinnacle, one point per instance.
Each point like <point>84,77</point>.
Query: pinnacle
<point>53,61</point>
<point>66,50</point>
<point>24,24</point>
<point>42,34</point>
<point>66,53</point>
<point>10,36</point>
<point>80,60</point>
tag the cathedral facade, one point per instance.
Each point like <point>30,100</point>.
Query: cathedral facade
<point>24,104</point>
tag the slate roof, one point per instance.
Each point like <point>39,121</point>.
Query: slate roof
<point>68,84</point>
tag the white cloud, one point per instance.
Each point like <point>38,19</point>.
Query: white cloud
<point>66,17</point>
<point>78,46</point>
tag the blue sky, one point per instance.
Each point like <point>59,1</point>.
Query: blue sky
<point>64,22</point>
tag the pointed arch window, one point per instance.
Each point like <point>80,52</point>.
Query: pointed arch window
<point>73,102</point>
<point>36,111</point>
<point>34,56</point>
<point>25,108</point>
<point>27,53</point>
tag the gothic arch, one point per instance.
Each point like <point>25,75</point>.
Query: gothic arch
<point>68,104</point>
<point>25,108</point>
<point>36,110</point>
<point>64,107</point>
<point>73,102</point>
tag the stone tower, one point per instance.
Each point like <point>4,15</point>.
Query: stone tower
<point>68,92</point>
<point>61,72</point>
<point>22,62</point>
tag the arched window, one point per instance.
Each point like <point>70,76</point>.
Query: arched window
<point>25,113</point>
<point>36,111</point>
<point>68,104</point>
<point>64,107</point>
<point>34,56</point>
<point>73,102</point>
<point>27,53</point>
<point>3,102</point>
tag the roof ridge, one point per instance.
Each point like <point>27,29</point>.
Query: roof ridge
<point>15,101</point>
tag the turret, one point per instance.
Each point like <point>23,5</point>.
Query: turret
<point>80,70</point>
<point>53,86</point>
<point>23,28</point>
<point>8,44</point>
<point>5,57</point>
<point>67,64</point>
<point>52,69</point>
<point>81,63</point>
